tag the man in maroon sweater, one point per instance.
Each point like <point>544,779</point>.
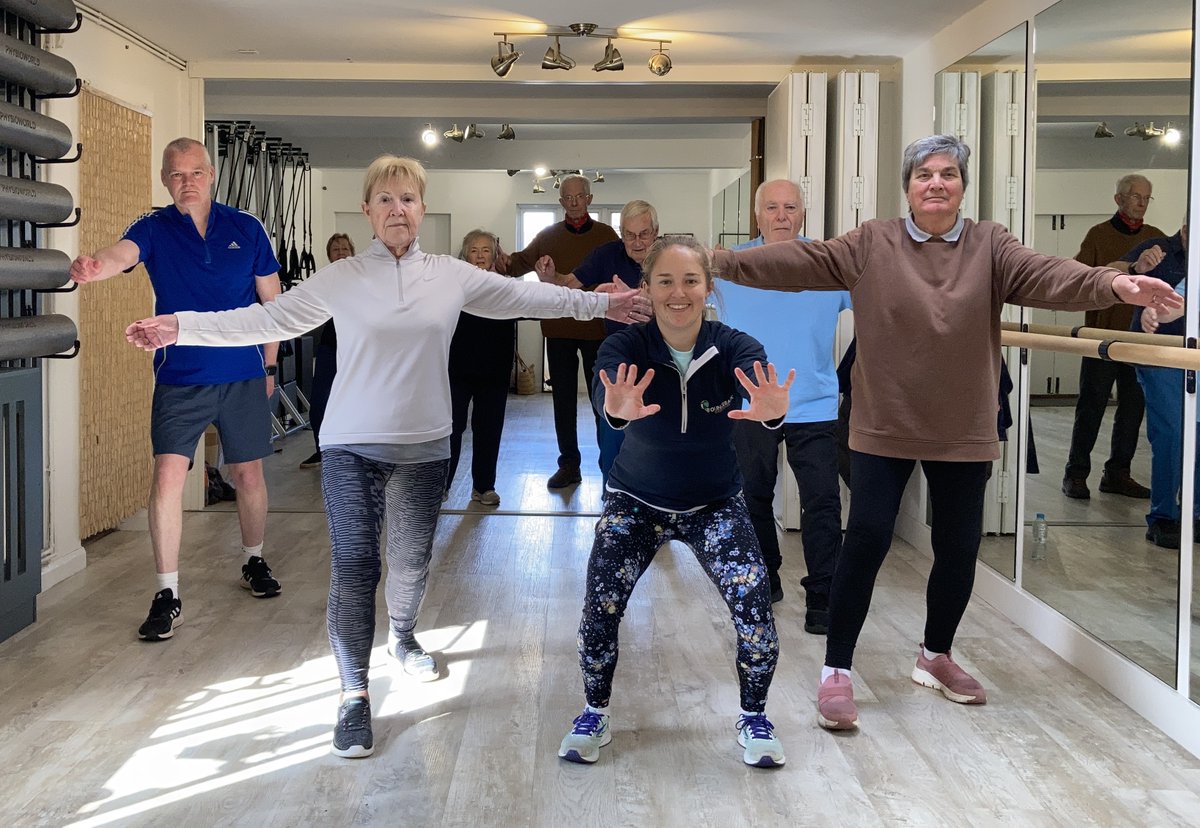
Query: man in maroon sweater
<point>567,340</point>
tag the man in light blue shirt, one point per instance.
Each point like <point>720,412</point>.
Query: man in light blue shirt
<point>797,330</point>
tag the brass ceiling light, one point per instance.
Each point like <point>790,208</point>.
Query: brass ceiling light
<point>660,61</point>
<point>537,185</point>
<point>455,134</point>
<point>508,55</point>
<point>429,135</point>
<point>555,59</point>
<point>473,131</point>
<point>612,61</point>
<point>506,133</point>
<point>1102,131</point>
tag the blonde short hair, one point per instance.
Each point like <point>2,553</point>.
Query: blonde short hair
<point>387,167</point>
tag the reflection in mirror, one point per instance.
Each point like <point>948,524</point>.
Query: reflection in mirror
<point>981,99</point>
<point>1105,97</point>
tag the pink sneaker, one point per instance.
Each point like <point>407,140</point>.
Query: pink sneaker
<point>835,703</point>
<point>943,674</point>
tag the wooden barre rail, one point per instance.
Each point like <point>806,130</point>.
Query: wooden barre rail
<point>1131,352</point>
<point>1098,333</point>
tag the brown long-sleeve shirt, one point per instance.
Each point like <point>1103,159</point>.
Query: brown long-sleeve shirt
<point>1107,242</point>
<point>927,318</point>
<point>567,247</point>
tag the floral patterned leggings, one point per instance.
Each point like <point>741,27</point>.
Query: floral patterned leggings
<point>628,535</point>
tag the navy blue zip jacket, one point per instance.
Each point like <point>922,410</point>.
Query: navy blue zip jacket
<point>681,458</point>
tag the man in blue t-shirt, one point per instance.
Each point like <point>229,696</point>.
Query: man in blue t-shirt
<point>797,331</point>
<point>616,261</point>
<point>201,256</point>
<point>1165,258</point>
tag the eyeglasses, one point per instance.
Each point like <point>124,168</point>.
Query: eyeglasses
<point>1141,199</point>
<point>573,199</point>
<point>646,236</point>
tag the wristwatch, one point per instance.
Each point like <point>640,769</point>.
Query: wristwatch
<point>272,370</point>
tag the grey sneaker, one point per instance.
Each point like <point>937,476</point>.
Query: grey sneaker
<point>415,661</point>
<point>352,738</point>
<point>589,732</point>
<point>488,498</point>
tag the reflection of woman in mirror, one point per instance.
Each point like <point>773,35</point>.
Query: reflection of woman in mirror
<point>1165,258</point>
<point>928,290</point>
<point>337,248</point>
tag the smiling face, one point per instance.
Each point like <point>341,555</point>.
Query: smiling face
<point>779,212</point>
<point>935,192</point>
<point>189,177</point>
<point>395,211</point>
<point>677,288</point>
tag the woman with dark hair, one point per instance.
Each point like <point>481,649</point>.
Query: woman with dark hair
<point>481,361</point>
<point>928,290</point>
<point>337,248</point>
<point>674,386</point>
<point>386,436</point>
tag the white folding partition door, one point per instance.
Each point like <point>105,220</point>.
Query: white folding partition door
<point>957,114</point>
<point>797,113</point>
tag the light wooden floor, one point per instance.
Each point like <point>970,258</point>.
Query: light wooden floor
<point>229,723</point>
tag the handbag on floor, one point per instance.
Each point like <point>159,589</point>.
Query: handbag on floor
<point>526,384</point>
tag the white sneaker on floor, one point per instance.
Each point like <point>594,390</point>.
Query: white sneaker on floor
<point>589,732</point>
<point>414,660</point>
<point>488,498</point>
<point>757,735</point>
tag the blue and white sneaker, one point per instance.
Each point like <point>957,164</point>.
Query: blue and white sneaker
<point>757,735</point>
<point>588,734</point>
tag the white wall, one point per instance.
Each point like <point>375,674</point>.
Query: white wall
<point>124,70</point>
<point>1080,192</point>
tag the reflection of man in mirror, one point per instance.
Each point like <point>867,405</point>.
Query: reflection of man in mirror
<point>1107,242</point>
<point>1165,258</point>
<point>797,330</point>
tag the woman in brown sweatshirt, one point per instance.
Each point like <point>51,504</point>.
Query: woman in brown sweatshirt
<point>928,290</point>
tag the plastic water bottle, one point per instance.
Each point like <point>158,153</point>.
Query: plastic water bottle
<point>1040,531</point>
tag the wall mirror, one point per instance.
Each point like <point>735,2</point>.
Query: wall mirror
<point>981,99</point>
<point>1106,97</point>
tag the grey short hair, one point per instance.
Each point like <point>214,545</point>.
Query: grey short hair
<point>919,150</point>
<point>763,186</point>
<point>636,208</point>
<point>479,233</point>
<point>1125,183</point>
<point>587,185</point>
<point>182,145</point>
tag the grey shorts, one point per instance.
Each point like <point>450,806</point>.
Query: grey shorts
<point>181,413</point>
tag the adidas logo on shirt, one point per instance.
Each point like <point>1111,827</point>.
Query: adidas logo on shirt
<point>233,246</point>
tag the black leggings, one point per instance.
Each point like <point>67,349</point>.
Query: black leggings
<point>956,498</point>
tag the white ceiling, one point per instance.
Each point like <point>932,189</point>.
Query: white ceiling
<point>346,81</point>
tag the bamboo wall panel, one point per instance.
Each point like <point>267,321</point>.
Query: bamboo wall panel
<point>116,381</point>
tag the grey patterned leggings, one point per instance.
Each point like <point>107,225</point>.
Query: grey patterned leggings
<point>721,536</point>
<point>358,492</point>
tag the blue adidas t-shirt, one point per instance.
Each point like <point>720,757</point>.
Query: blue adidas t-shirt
<point>213,273</point>
<point>797,330</point>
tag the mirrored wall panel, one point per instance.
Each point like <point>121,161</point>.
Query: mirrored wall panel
<point>981,99</point>
<point>1112,101</point>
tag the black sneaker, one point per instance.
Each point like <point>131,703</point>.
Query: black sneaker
<point>776,589</point>
<point>415,661</point>
<point>352,738</point>
<point>256,577</point>
<point>164,617</point>
<point>313,461</point>
<point>816,613</point>
<point>1164,533</point>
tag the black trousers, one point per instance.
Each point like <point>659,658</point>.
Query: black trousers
<point>956,496</point>
<point>1096,378</point>
<point>812,455</point>
<point>562,356</point>
<point>322,382</point>
<point>486,395</point>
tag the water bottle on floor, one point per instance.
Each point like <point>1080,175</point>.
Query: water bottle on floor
<point>1040,532</point>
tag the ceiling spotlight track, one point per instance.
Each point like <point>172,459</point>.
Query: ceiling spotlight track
<point>430,136</point>
<point>659,63</point>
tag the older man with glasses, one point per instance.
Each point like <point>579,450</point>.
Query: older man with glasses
<point>1107,242</point>
<point>620,262</point>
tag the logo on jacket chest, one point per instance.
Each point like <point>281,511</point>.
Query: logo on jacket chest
<point>716,408</point>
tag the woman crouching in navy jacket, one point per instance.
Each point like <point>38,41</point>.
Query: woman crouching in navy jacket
<point>676,478</point>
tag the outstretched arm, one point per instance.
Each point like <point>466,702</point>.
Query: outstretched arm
<point>153,333</point>
<point>105,263</point>
<point>1146,291</point>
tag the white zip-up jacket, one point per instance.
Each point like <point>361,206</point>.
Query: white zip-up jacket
<point>395,319</point>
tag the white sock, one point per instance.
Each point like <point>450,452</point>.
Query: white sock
<point>930,654</point>
<point>252,550</point>
<point>603,711</point>
<point>169,580</point>
<point>828,671</point>
<point>751,713</point>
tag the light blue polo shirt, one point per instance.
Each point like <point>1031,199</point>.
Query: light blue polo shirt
<point>211,273</point>
<point>797,330</point>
